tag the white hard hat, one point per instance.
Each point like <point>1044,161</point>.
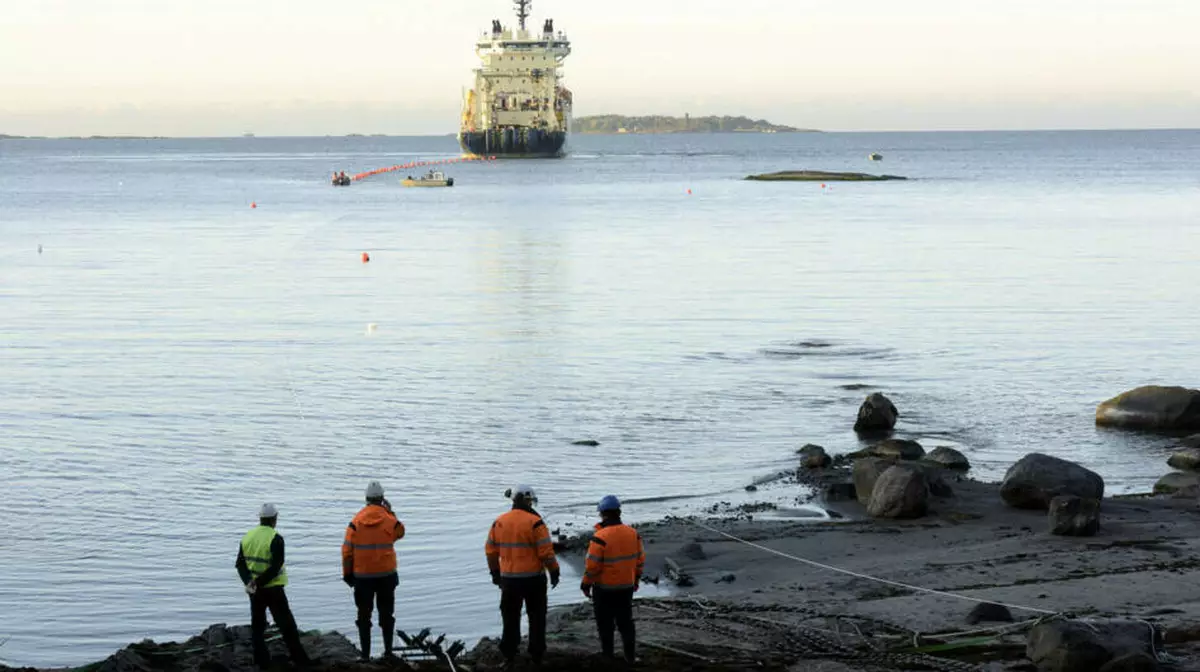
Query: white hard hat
<point>523,491</point>
<point>268,511</point>
<point>374,490</point>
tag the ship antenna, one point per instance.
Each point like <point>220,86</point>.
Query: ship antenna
<point>522,10</point>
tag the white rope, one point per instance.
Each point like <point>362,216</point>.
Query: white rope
<point>865,576</point>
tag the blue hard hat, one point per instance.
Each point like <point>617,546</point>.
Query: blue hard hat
<point>609,503</point>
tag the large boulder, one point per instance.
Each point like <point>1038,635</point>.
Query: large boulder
<point>877,414</point>
<point>1036,479</point>
<point>898,449</point>
<point>948,458</point>
<point>1074,516</point>
<point>935,477</point>
<point>1152,407</point>
<point>900,492</point>
<point>1086,646</point>
<point>867,470</point>
<point>814,457</point>
<point>1175,482</point>
<point>1187,459</point>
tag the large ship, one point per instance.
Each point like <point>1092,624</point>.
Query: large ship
<point>518,107</point>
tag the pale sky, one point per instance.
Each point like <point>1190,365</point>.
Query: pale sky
<point>316,67</point>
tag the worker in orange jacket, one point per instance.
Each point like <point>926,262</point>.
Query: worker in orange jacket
<point>519,554</point>
<point>369,567</point>
<point>615,561</point>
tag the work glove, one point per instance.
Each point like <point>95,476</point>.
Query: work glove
<point>495,578</point>
<point>348,579</point>
<point>587,589</point>
<point>554,578</point>
<point>251,588</point>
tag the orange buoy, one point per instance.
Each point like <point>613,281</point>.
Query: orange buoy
<point>366,257</point>
<point>689,192</point>
<point>253,205</point>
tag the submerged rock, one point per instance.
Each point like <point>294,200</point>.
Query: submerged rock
<point>813,456</point>
<point>866,472</point>
<point>902,491</point>
<point>1187,459</point>
<point>1176,481</point>
<point>1074,516</point>
<point>876,414</point>
<point>1152,407</point>
<point>586,442</point>
<point>949,458</point>
<point>1036,479</point>
<point>1086,646</point>
<point>898,449</point>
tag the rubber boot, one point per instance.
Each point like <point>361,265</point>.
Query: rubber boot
<point>388,633</point>
<point>364,642</point>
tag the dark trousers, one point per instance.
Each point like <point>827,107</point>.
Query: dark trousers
<point>530,592</point>
<point>275,600</point>
<point>614,611</point>
<point>381,594</point>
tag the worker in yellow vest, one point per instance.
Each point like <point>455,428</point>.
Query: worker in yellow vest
<point>260,565</point>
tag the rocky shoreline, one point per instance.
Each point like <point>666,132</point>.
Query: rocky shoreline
<point>900,562</point>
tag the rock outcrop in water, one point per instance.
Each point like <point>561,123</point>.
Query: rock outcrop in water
<point>1176,481</point>
<point>1036,479</point>
<point>820,176</point>
<point>948,458</point>
<point>1152,407</point>
<point>877,414</point>
<point>898,449</point>
<point>813,456</point>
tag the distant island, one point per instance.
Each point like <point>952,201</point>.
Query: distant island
<point>618,123</point>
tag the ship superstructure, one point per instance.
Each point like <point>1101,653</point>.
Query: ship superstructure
<point>518,107</point>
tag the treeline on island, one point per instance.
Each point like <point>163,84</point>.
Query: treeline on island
<point>617,123</point>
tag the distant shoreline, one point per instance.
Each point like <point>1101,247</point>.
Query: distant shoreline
<point>620,124</point>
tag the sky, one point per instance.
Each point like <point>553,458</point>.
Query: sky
<point>329,67</point>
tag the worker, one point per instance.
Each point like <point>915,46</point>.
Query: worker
<point>369,567</point>
<point>615,561</point>
<point>260,565</point>
<point>519,553</point>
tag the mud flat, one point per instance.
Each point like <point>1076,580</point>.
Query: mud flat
<point>820,176</point>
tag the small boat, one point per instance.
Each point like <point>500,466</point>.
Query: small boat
<point>434,178</point>
<point>875,156</point>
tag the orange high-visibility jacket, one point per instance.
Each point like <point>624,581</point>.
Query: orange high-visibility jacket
<point>615,558</point>
<point>368,551</point>
<point>518,545</point>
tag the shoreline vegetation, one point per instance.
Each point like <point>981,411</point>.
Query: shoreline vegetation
<point>891,558</point>
<point>601,124</point>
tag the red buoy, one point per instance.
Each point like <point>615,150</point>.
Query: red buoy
<point>253,205</point>
<point>366,257</point>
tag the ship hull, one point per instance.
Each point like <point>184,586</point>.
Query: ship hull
<point>514,143</point>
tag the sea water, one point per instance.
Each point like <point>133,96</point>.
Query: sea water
<point>171,358</point>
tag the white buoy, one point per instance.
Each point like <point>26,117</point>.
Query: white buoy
<point>371,327</point>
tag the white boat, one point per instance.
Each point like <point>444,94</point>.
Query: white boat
<point>434,178</point>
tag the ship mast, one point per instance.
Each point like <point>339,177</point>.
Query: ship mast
<point>522,10</point>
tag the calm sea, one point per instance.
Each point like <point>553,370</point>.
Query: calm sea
<point>172,357</point>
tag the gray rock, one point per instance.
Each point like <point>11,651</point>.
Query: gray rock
<point>902,491</point>
<point>1036,479</point>
<point>935,476</point>
<point>693,551</point>
<point>866,471</point>
<point>1074,516</point>
<point>586,442</point>
<point>1152,407</point>
<point>727,578</point>
<point>1176,481</point>
<point>814,457</point>
<point>1187,459</point>
<point>986,612</point>
<point>877,414</point>
<point>949,458</point>
<point>1079,646</point>
<point>1133,662</point>
<point>1192,441</point>
<point>898,449</point>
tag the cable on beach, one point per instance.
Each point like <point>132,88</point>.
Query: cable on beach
<point>889,582</point>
